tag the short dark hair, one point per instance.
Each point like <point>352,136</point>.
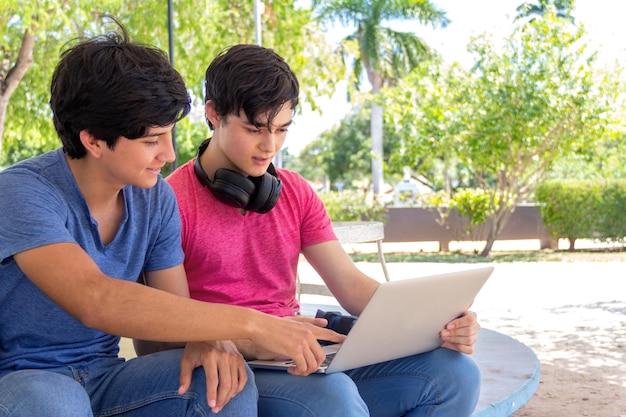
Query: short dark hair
<point>112,87</point>
<point>253,79</point>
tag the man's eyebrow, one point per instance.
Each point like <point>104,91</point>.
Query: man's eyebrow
<point>154,133</point>
<point>264,124</point>
<point>284,125</point>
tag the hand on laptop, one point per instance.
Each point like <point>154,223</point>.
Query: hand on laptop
<point>297,338</point>
<point>460,334</point>
<point>322,323</point>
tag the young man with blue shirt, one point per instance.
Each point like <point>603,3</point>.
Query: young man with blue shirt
<point>80,224</point>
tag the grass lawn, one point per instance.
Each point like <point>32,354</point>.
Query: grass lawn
<point>617,254</point>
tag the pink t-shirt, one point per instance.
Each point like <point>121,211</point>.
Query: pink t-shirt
<point>248,260</point>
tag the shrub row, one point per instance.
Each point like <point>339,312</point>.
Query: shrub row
<point>352,205</point>
<point>583,209</point>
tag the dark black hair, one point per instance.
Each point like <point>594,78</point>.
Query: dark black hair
<point>252,79</point>
<point>112,87</point>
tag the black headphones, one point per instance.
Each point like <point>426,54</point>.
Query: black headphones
<point>257,194</point>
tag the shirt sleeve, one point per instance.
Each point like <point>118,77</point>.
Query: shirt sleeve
<point>33,214</point>
<point>316,224</point>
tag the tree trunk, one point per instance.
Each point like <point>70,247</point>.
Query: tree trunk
<point>376,131</point>
<point>376,125</point>
<point>498,222</point>
<point>572,243</point>
<point>13,77</point>
<point>4,103</point>
<point>488,246</point>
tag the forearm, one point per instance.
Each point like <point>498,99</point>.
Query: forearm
<point>355,298</point>
<point>140,312</point>
<point>145,347</point>
<point>250,351</point>
<point>127,308</point>
<point>351,287</point>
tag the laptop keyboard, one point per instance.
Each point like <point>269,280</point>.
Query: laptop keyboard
<point>328,359</point>
<point>325,362</point>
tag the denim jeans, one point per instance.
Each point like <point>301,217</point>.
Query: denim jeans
<point>440,383</point>
<point>141,387</point>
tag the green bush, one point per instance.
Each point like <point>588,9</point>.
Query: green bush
<point>612,223</point>
<point>583,209</point>
<point>352,205</point>
<point>475,204</point>
<point>463,213</point>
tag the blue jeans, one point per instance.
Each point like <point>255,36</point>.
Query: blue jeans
<point>141,387</point>
<point>440,383</point>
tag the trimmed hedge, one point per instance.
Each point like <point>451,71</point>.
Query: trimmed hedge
<point>583,209</point>
<point>352,205</point>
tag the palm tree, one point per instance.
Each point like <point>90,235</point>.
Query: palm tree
<point>563,9</point>
<point>386,55</point>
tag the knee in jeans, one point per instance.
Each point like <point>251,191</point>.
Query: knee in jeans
<point>469,371</point>
<point>44,393</point>
<point>341,391</point>
<point>466,375</point>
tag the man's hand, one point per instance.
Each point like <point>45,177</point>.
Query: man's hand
<point>297,339</point>
<point>252,351</point>
<point>461,334</point>
<point>317,321</point>
<point>224,368</point>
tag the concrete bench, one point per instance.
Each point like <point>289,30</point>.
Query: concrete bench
<point>509,374</point>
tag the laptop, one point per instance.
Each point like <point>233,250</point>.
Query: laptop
<point>402,318</point>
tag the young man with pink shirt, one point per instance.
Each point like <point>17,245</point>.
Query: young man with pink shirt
<point>245,224</point>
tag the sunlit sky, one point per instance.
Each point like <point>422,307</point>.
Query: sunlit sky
<point>603,21</point>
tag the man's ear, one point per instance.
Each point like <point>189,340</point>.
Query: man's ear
<point>211,113</point>
<point>91,144</point>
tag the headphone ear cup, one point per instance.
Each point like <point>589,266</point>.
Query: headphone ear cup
<point>232,188</point>
<point>266,195</point>
<point>258,194</point>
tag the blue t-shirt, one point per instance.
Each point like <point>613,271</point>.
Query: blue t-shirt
<point>40,204</point>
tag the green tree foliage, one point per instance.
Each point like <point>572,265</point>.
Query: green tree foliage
<point>464,213</point>
<point>562,9</point>
<point>201,30</point>
<point>426,113</point>
<point>603,158</point>
<point>384,54</point>
<point>345,150</point>
<point>33,35</point>
<point>342,154</point>
<point>519,109</point>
